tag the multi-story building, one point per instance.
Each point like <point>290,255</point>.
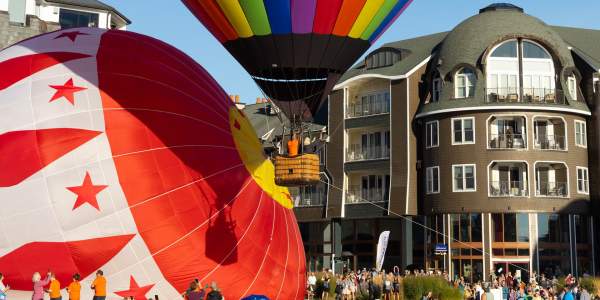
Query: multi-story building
<point>488,135</point>
<point>21,19</point>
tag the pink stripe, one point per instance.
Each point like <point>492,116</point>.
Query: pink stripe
<point>303,13</point>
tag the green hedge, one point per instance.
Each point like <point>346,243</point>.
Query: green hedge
<point>415,287</point>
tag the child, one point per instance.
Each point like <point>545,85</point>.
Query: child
<point>74,288</point>
<point>54,289</point>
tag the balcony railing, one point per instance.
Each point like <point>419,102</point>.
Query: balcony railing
<point>552,189</point>
<point>362,195</point>
<point>524,95</point>
<point>316,197</point>
<point>368,108</point>
<point>508,189</point>
<point>358,153</point>
<point>550,142</point>
<point>508,141</point>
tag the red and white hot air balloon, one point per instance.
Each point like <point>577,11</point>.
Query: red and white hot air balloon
<point>118,152</point>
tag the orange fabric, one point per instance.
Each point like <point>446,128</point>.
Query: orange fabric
<point>54,288</point>
<point>74,290</point>
<point>293,147</point>
<point>99,285</point>
<point>347,16</point>
<point>214,11</point>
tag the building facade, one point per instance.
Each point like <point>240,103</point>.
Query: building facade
<point>21,19</point>
<point>482,140</point>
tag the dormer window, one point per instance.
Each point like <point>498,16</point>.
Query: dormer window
<point>383,57</point>
<point>436,91</point>
<point>572,83</point>
<point>464,82</point>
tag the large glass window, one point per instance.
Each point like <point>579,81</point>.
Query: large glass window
<point>464,83</point>
<point>464,178</point>
<point>73,18</point>
<point>531,50</point>
<point>433,180</point>
<point>431,134</point>
<point>511,227</point>
<point>507,50</point>
<point>553,244</point>
<point>463,131</point>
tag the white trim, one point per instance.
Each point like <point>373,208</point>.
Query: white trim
<point>587,173</point>
<point>474,189</point>
<point>389,207</point>
<point>512,260</point>
<point>509,161</point>
<point>503,107</point>
<point>526,134</point>
<point>427,179</point>
<point>437,128</point>
<point>408,164</point>
<point>345,146</point>
<point>374,75</point>
<point>551,162</point>
<point>551,117</point>
<point>584,134</point>
<point>462,119</point>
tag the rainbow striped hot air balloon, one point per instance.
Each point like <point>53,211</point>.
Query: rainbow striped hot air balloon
<point>296,50</point>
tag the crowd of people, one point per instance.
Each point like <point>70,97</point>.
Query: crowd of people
<point>197,292</point>
<point>380,285</point>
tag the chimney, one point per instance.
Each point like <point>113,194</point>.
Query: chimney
<point>232,97</point>
<point>258,100</point>
<point>237,99</point>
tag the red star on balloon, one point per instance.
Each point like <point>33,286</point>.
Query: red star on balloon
<point>86,192</point>
<point>66,90</point>
<point>72,35</point>
<point>135,291</point>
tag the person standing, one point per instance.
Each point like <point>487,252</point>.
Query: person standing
<point>3,288</point>
<point>74,288</point>
<point>54,289</point>
<point>99,286</point>
<point>38,285</point>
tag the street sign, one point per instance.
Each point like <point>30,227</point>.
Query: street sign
<point>441,249</point>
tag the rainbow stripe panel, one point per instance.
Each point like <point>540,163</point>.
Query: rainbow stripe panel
<point>359,19</point>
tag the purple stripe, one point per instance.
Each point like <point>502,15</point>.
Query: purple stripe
<point>386,26</point>
<point>303,13</point>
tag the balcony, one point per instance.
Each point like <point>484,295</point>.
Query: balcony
<point>310,196</point>
<point>508,189</point>
<point>550,142</point>
<point>549,133</point>
<point>373,106</point>
<point>508,141</point>
<point>551,180</point>
<point>357,194</point>
<point>552,189</point>
<point>360,153</point>
<point>524,95</point>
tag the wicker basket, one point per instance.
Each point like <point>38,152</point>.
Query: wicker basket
<point>297,171</point>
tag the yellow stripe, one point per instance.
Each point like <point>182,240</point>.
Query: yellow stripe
<point>234,13</point>
<point>365,17</point>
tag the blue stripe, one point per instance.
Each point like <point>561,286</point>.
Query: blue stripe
<point>390,17</point>
<point>280,16</point>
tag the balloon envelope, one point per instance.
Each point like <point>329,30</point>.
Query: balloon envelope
<point>118,152</point>
<point>296,50</point>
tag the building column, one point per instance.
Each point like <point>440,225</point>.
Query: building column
<point>407,246</point>
<point>487,232</point>
<point>534,265</point>
<point>336,243</point>
<point>327,244</point>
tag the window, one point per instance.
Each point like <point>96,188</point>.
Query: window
<point>431,134</point>
<point>572,83</point>
<point>583,180</point>
<point>384,58</point>
<point>433,180</point>
<point>464,83</point>
<point>73,18</point>
<point>464,178</point>
<point>580,134</point>
<point>532,50</point>
<point>463,131</point>
<point>437,90</point>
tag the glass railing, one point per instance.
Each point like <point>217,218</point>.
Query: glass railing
<point>550,142</point>
<point>313,197</point>
<point>358,153</point>
<point>508,189</point>
<point>367,108</point>
<point>527,95</point>
<point>362,195</point>
<point>552,189</point>
<point>508,141</point>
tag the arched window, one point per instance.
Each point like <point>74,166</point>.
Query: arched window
<point>520,71</point>
<point>464,83</point>
<point>383,57</point>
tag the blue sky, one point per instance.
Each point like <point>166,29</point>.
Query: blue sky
<point>170,21</point>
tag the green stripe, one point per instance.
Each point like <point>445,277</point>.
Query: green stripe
<point>384,10</point>
<point>257,16</point>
